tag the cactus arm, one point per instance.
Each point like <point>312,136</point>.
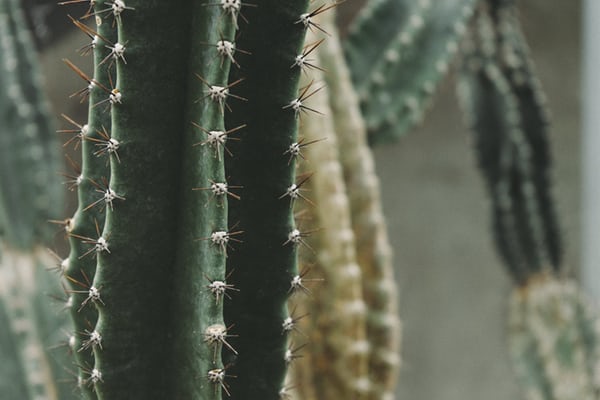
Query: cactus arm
<point>373,250</point>
<point>264,264</point>
<point>508,139</point>
<point>87,220</point>
<point>403,80</point>
<point>376,27</point>
<point>197,308</point>
<point>340,366</point>
<point>516,63</point>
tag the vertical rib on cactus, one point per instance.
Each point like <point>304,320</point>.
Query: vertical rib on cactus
<point>374,254</point>
<point>340,349</point>
<point>136,262</point>
<point>200,261</point>
<point>264,264</point>
<point>88,221</point>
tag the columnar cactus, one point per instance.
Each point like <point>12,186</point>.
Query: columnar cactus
<point>553,331</point>
<point>152,236</point>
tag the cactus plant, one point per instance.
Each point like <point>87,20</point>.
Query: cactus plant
<point>553,330</point>
<point>184,245</point>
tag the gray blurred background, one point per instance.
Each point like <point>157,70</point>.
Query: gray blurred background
<point>454,290</point>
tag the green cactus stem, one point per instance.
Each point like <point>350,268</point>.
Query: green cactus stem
<point>373,250</point>
<point>511,136</point>
<point>264,162</point>
<point>412,58</point>
<point>148,269</point>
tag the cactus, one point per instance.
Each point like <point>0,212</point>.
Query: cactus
<point>398,52</point>
<point>184,245</point>
<point>163,116</point>
<point>552,330</point>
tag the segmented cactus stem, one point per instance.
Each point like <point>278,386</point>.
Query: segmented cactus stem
<point>374,254</point>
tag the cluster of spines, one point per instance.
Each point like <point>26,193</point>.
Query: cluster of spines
<point>506,110</point>
<point>394,100</point>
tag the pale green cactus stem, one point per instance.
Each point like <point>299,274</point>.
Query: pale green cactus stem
<point>373,250</point>
<point>339,343</point>
<point>19,291</point>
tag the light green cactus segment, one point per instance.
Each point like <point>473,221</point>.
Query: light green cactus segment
<point>198,324</point>
<point>19,294</point>
<point>546,321</point>
<point>380,25</point>
<point>12,384</point>
<point>405,77</point>
<point>30,191</point>
<point>88,220</point>
<point>373,250</point>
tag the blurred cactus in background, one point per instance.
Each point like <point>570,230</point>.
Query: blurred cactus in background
<point>229,224</point>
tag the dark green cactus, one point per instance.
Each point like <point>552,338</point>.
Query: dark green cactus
<point>159,217</point>
<point>505,107</point>
<point>553,331</point>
